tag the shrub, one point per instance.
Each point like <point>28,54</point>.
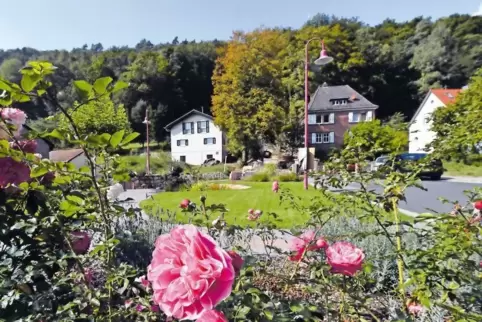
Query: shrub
<point>287,177</point>
<point>259,177</point>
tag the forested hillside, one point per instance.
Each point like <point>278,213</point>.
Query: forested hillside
<point>392,64</point>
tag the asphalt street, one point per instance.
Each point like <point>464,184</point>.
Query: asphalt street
<point>421,201</point>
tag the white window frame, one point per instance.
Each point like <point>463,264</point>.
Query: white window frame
<point>355,117</point>
<point>323,138</point>
<point>183,142</point>
<point>203,127</point>
<point>188,128</point>
<point>209,141</point>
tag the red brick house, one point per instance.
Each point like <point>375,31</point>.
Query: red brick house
<point>332,111</point>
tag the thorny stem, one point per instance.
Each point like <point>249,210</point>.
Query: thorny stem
<point>399,249</point>
<point>92,165</point>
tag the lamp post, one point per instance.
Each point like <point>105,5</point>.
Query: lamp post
<point>148,158</point>
<point>322,60</point>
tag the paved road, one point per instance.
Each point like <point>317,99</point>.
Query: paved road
<point>420,201</point>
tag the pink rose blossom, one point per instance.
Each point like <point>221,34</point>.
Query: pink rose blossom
<point>14,116</point>
<point>414,308</point>
<point>185,203</point>
<point>478,205</point>
<point>254,214</point>
<point>27,146</point>
<point>212,316</point>
<point>80,242</point>
<point>144,282</point>
<point>128,303</point>
<point>304,243</point>
<point>189,273</point>
<point>275,186</point>
<point>140,307</point>
<point>13,172</point>
<point>251,211</point>
<point>238,261</point>
<point>344,258</point>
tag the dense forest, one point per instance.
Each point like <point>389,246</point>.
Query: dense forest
<point>393,64</point>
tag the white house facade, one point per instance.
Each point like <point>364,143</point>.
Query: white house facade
<point>195,139</point>
<point>420,133</point>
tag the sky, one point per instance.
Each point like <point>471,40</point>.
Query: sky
<point>65,24</point>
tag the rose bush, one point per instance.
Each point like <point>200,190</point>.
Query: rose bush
<point>70,249</point>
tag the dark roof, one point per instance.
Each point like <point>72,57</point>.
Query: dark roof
<point>167,127</point>
<point>49,143</point>
<point>65,155</point>
<point>324,96</point>
<point>446,96</point>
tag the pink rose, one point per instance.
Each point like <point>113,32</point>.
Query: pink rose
<point>128,303</point>
<point>344,258</point>
<point>140,307</point>
<point>304,243</point>
<point>251,211</point>
<point>238,261</point>
<point>212,316</point>
<point>14,116</point>
<point>80,242</point>
<point>275,186</point>
<point>185,203</point>
<point>13,172</point>
<point>189,273</point>
<point>258,213</point>
<point>27,146</point>
<point>414,308</point>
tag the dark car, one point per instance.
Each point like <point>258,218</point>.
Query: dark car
<point>405,162</point>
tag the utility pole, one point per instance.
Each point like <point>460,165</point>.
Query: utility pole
<point>148,158</point>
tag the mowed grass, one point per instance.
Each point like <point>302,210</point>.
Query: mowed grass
<point>238,202</point>
<point>461,169</point>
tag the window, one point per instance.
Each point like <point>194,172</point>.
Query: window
<point>340,102</point>
<point>203,127</point>
<point>182,142</point>
<point>210,141</point>
<point>326,137</point>
<point>182,158</point>
<point>209,156</point>
<point>355,117</point>
<point>321,118</point>
<point>188,128</point>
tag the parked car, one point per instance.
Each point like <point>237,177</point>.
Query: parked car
<point>380,161</point>
<point>404,162</point>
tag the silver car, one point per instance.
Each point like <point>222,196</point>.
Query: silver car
<point>379,162</point>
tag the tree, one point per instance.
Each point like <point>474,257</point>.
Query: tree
<point>100,116</point>
<point>375,138</point>
<point>9,69</point>
<point>458,127</point>
<point>248,100</point>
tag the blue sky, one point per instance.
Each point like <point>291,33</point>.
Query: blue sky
<point>64,24</point>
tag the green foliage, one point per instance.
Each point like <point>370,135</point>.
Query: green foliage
<point>96,116</point>
<point>261,176</point>
<point>287,177</point>
<point>458,125</point>
<point>159,163</point>
<point>375,138</point>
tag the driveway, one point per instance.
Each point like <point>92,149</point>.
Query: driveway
<point>419,201</point>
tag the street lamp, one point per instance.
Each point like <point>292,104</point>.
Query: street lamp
<point>322,60</point>
<point>148,158</point>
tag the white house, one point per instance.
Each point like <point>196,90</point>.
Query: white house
<point>195,138</point>
<point>420,134</point>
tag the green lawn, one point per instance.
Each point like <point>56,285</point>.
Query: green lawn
<point>461,169</point>
<point>259,196</point>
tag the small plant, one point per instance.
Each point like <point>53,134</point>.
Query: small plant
<point>287,177</point>
<point>259,177</point>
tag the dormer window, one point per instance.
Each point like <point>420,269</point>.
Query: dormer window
<point>340,102</point>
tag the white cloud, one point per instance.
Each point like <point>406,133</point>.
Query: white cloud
<point>478,12</point>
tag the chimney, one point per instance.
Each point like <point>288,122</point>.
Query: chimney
<point>353,97</point>
<point>202,109</point>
